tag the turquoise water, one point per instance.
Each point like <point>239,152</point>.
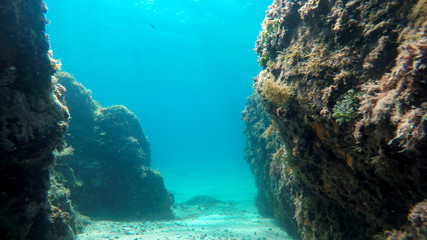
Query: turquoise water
<point>184,67</point>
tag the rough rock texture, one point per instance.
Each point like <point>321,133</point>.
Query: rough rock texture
<point>32,122</point>
<point>59,198</point>
<point>264,153</point>
<point>344,83</point>
<point>416,228</point>
<point>106,163</point>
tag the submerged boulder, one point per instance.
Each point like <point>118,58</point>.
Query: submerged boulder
<point>344,84</point>
<point>106,163</point>
<point>33,119</point>
<point>202,200</point>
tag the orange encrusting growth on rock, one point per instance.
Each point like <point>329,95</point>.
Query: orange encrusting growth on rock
<point>321,132</point>
<point>349,161</point>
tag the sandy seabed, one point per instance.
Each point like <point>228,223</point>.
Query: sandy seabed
<point>237,219</point>
<point>226,220</point>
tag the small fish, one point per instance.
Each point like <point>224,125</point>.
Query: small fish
<point>151,25</point>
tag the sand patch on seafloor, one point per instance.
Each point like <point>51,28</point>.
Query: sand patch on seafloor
<point>226,220</point>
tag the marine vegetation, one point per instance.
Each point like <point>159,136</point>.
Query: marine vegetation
<point>275,92</point>
<point>263,61</point>
<point>270,130</point>
<point>334,185</point>
<point>346,111</point>
<point>270,28</point>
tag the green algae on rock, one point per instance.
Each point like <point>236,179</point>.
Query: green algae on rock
<point>347,110</point>
<point>106,164</point>
<point>360,179</point>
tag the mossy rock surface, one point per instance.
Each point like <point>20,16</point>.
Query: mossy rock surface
<point>33,119</point>
<point>106,165</point>
<point>360,178</point>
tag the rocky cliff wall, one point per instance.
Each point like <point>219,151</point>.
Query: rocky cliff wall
<point>265,153</point>
<point>344,83</point>
<point>106,162</point>
<point>33,119</point>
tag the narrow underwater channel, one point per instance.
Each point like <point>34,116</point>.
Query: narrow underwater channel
<point>124,119</point>
<point>184,68</point>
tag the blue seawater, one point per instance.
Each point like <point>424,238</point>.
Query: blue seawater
<point>184,67</point>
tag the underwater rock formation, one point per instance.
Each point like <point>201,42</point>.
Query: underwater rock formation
<point>106,163</point>
<point>345,86</point>
<point>265,154</point>
<point>416,227</point>
<point>33,120</point>
<point>63,210</point>
<point>202,200</point>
